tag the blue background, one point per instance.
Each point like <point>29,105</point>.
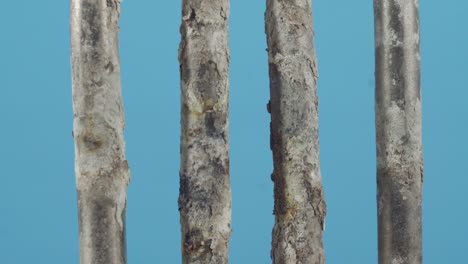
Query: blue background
<point>38,212</point>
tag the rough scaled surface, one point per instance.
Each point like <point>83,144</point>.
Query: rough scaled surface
<point>299,200</point>
<point>102,172</point>
<point>205,194</point>
<point>398,125</point>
